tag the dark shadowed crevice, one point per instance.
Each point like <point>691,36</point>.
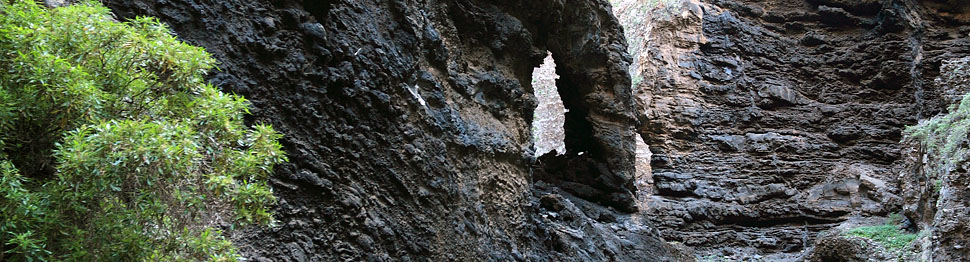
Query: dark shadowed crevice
<point>578,129</point>
<point>318,8</point>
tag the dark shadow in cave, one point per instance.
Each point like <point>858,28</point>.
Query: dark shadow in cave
<point>319,9</point>
<point>579,131</point>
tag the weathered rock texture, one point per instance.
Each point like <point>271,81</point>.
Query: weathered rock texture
<point>935,185</point>
<point>837,244</point>
<point>407,123</point>
<point>771,121</point>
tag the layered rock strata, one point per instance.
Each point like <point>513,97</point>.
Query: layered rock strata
<point>772,121</point>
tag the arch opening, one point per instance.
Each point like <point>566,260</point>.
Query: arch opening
<point>548,134</point>
<point>598,124</point>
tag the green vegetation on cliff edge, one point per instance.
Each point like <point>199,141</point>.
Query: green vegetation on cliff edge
<point>114,148</point>
<point>889,235</point>
<point>943,139</point>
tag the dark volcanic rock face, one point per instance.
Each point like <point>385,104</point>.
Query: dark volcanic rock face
<point>936,185</point>
<point>771,121</point>
<point>407,126</point>
<point>407,122</point>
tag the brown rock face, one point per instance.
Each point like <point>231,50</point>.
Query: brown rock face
<point>837,248</point>
<point>771,121</point>
<point>936,186</point>
<point>407,123</point>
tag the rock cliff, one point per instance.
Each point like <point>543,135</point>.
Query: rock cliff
<point>771,121</point>
<point>407,123</point>
<point>935,181</point>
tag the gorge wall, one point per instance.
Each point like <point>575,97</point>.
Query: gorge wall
<point>771,121</point>
<point>407,126</point>
<point>407,122</point>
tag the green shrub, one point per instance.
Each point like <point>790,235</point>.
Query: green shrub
<point>114,148</point>
<point>944,136</point>
<point>888,235</point>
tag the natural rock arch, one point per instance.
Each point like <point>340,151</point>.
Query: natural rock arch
<point>595,88</point>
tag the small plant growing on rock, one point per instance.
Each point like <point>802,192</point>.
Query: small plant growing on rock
<point>888,235</point>
<point>114,148</point>
<point>944,138</point>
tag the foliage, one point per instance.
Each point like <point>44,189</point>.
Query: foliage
<point>945,136</point>
<point>112,145</point>
<point>888,235</point>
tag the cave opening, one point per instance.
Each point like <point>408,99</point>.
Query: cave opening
<point>549,116</point>
<point>596,158</point>
<point>564,123</point>
<point>559,122</point>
